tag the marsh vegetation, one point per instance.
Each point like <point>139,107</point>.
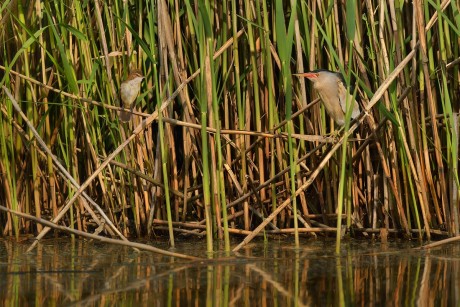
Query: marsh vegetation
<point>225,141</point>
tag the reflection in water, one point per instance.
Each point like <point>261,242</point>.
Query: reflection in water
<point>78,272</point>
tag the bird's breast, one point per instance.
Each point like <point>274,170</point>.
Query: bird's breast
<point>129,92</point>
<point>332,105</point>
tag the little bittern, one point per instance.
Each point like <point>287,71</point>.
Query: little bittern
<point>129,90</point>
<point>333,93</point>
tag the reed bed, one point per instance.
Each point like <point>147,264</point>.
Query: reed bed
<point>225,141</point>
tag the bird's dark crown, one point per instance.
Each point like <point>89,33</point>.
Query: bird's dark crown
<point>339,75</point>
<point>133,74</point>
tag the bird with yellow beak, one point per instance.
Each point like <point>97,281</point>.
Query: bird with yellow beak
<point>333,93</point>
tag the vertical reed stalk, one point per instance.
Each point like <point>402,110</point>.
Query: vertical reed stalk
<point>204,34</point>
<point>240,109</point>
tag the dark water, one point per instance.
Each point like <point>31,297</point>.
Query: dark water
<point>65,272</point>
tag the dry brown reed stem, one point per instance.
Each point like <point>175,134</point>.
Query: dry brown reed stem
<point>192,225</point>
<point>222,131</point>
<point>385,167</point>
<point>439,243</point>
<point>377,95</point>
<point>105,49</point>
<point>254,191</point>
<point>388,175</point>
<point>323,228</point>
<point>309,138</point>
<point>252,187</point>
<point>452,64</point>
<point>146,177</point>
<point>372,137</point>
<point>285,121</point>
<point>61,168</point>
<point>195,232</point>
<point>418,7</point>
<point>272,179</point>
<point>96,237</point>
<point>431,105</point>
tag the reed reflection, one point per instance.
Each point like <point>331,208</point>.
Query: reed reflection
<point>68,272</point>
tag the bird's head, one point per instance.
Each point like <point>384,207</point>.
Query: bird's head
<point>136,75</point>
<point>320,75</point>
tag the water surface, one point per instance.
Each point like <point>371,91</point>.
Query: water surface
<point>88,273</point>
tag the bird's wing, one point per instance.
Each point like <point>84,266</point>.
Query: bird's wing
<point>342,92</point>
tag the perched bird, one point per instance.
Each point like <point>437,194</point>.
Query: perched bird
<point>129,90</point>
<point>332,91</point>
